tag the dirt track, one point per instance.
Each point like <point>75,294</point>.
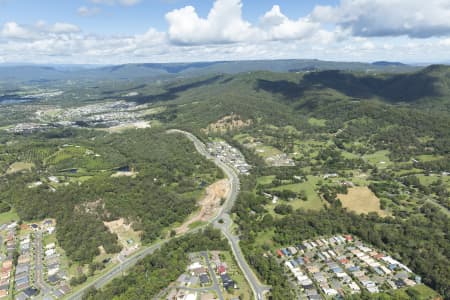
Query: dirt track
<point>209,205</point>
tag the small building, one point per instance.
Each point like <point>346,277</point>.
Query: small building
<point>199,271</point>
<point>348,238</point>
<point>204,279</point>
<point>50,246</point>
<point>227,281</point>
<point>50,252</point>
<point>53,279</point>
<point>221,269</point>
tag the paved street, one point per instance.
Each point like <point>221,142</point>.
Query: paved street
<point>216,285</point>
<point>45,289</point>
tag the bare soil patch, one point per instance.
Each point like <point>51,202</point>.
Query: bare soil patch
<point>209,205</point>
<point>228,123</point>
<point>361,200</point>
<point>125,174</point>
<point>126,126</point>
<point>127,236</point>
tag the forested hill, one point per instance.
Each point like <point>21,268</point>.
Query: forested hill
<point>45,73</point>
<point>331,95</point>
<point>361,108</point>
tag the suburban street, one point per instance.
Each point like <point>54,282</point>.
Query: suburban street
<point>225,226</point>
<point>216,286</point>
<point>45,288</point>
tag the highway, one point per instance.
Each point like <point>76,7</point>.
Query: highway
<point>225,226</point>
<point>258,289</point>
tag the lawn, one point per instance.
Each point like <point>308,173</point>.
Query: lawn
<point>421,292</point>
<point>266,151</point>
<point>379,159</point>
<point>317,122</point>
<point>426,158</point>
<point>9,216</point>
<point>49,238</point>
<point>265,179</point>
<point>265,238</point>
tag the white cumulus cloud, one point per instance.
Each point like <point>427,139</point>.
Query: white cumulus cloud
<point>224,24</point>
<point>372,18</point>
<point>279,27</point>
<point>15,31</point>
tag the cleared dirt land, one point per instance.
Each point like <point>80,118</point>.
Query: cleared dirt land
<point>227,123</point>
<point>125,174</point>
<point>209,205</point>
<point>124,232</point>
<point>361,200</point>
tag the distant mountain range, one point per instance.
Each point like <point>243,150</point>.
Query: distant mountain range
<point>22,72</point>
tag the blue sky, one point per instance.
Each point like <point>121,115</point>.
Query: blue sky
<point>114,19</point>
<point>121,31</point>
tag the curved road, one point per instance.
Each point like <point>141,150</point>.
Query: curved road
<point>224,215</point>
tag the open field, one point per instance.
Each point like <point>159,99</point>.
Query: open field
<point>309,148</point>
<point>361,200</point>
<point>261,149</point>
<point>314,202</point>
<point>308,186</point>
<point>19,167</point>
<point>127,126</point>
